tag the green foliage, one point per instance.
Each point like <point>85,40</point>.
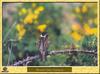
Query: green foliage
<point>90,42</point>
<point>59,33</point>
<point>54,60</point>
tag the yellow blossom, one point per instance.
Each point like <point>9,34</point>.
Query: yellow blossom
<point>21,31</point>
<point>21,34</point>
<point>89,30</point>
<point>42,27</point>
<point>76,36</point>
<point>29,18</point>
<point>36,12</point>
<point>22,11</point>
<point>40,8</point>
<point>77,10</point>
<point>35,16</point>
<point>94,31</point>
<point>76,27</point>
<point>84,8</point>
<point>19,27</point>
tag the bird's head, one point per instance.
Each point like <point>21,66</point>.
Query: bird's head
<point>44,34</point>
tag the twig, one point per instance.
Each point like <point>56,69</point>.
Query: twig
<point>30,58</point>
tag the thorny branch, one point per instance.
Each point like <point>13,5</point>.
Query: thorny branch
<point>54,52</point>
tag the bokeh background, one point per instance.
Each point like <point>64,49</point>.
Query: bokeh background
<point>65,23</point>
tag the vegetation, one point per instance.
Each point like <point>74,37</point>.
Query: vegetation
<point>67,24</point>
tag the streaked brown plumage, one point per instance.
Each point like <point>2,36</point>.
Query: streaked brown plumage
<point>43,45</point>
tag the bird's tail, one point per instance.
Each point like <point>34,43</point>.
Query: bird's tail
<point>43,56</point>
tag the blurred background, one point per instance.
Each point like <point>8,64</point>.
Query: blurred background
<point>65,23</point>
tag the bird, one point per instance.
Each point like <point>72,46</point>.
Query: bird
<point>43,45</point>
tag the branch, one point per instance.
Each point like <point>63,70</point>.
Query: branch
<point>71,51</point>
<point>30,58</point>
<point>25,60</point>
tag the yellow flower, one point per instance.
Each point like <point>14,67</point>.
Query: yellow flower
<point>21,34</point>
<point>42,27</point>
<point>36,12</point>
<point>84,9</point>
<point>89,31</point>
<point>76,36</point>
<point>35,16</point>
<point>19,27</point>
<point>94,31</point>
<point>21,31</point>
<point>22,11</point>
<point>76,27</point>
<point>40,8</point>
<point>29,18</point>
<point>77,10</point>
